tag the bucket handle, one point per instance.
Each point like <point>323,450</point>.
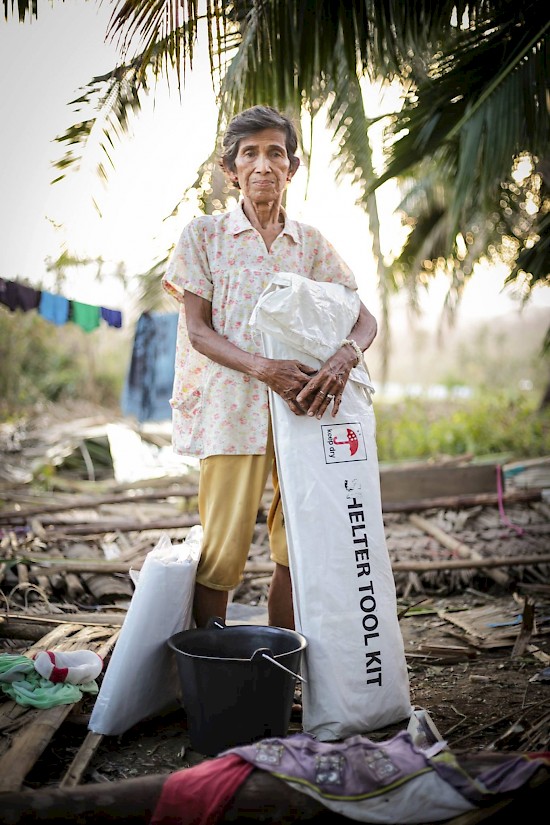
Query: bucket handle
<point>265,653</point>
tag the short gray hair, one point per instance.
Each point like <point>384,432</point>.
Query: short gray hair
<point>253,120</point>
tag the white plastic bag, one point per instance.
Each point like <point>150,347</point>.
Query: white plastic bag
<point>141,679</point>
<point>343,587</point>
<point>322,316</point>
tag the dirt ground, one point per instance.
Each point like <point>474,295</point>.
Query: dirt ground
<point>479,698</point>
<point>478,652</point>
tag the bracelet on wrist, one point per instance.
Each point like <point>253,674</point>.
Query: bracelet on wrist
<point>355,347</point>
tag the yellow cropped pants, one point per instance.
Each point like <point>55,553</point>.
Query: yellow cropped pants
<point>230,494</point>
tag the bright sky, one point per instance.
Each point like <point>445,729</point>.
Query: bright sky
<point>42,67</point>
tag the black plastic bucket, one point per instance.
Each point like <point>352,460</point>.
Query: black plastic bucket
<point>232,693</point>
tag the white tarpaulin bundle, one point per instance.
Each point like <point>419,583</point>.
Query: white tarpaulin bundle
<point>141,679</point>
<point>343,587</point>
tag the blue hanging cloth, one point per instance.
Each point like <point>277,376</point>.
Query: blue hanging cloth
<point>148,385</point>
<point>53,308</point>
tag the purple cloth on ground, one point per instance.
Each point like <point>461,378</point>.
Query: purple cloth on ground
<point>378,781</point>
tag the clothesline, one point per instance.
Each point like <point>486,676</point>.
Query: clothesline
<point>56,308</point>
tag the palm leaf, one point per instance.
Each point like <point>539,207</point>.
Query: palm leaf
<point>349,124</point>
<point>25,9</point>
<point>483,118</point>
<point>115,96</point>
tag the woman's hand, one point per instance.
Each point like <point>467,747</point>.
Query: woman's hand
<point>287,378</point>
<point>328,385</point>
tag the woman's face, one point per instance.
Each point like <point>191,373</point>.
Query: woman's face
<point>262,166</point>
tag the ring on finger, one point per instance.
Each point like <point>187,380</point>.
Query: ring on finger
<point>330,395</point>
<point>321,393</point>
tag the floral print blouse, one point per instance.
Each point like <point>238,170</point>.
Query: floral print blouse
<point>223,258</point>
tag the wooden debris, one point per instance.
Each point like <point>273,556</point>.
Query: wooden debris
<point>457,546</point>
<point>459,501</point>
<point>430,480</point>
<point>102,586</point>
<point>490,626</point>
<point>82,759</point>
<point>34,628</point>
<point>19,756</point>
<point>93,502</point>
<point>471,564</point>
<point>527,629</point>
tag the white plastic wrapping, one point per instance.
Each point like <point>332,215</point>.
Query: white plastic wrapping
<point>343,587</point>
<point>322,316</point>
<point>141,679</point>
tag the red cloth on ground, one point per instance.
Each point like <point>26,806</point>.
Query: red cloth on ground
<point>200,795</point>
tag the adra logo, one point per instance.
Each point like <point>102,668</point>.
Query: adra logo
<point>343,442</point>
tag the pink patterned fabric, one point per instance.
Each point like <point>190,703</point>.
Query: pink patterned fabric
<point>222,258</point>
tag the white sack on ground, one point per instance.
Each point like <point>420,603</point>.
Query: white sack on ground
<point>141,679</point>
<point>343,587</point>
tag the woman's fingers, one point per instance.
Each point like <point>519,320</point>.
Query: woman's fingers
<point>321,391</point>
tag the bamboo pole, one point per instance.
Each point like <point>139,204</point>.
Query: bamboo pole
<point>470,564</point>
<point>267,566</point>
<point>458,547</point>
<point>35,627</point>
<point>82,759</point>
<point>93,528</point>
<point>91,502</point>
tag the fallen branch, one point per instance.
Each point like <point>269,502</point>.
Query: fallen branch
<point>91,502</point>
<point>34,628</point>
<point>255,567</point>
<point>457,547</point>
<point>73,528</point>
<point>467,564</point>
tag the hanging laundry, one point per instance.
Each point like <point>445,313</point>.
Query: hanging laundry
<point>148,386</point>
<point>54,308</point>
<point>18,296</point>
<point>85,316</point>
<point>112,316</point>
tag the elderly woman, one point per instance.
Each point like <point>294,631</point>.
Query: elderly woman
<point>220,267</point>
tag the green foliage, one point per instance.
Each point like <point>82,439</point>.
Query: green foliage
<point>42,362</point>
<point>486,424</point>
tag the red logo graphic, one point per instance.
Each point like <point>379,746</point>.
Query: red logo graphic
<point>352,441</point>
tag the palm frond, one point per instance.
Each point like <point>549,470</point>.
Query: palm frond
<point>114,97</point>
<point>484,118</point>
<point>350,125</point>
<point>532,265</point>
<point>25,9</point>
<point>149,23</point>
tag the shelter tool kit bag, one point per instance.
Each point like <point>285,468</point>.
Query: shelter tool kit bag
<point>344,592</point>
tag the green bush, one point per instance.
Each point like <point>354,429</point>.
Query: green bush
<point>43,362</point>
<point>482,425</point>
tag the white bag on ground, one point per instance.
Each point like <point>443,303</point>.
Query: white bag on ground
<point>343,587</point>
<point>141,679</point>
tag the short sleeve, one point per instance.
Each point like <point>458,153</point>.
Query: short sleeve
<point>188,267</point>
<point>330,266</point>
